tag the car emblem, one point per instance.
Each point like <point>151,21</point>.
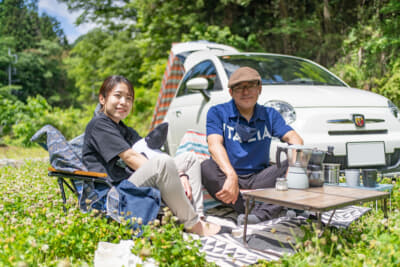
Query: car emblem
<point>359,120</point>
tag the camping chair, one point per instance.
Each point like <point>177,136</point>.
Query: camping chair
<point>76,177</point>
<point>66,165</point>
<point>96,190</point>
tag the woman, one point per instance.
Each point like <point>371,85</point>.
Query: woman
<point>108,140</point>
<point>189,170</point>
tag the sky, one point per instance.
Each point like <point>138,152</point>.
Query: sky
<point>66,18</point>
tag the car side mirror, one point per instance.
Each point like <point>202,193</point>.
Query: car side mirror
<point>199,84</point>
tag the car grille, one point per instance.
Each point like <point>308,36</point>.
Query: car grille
<point>353,132</point>
<point>347,121</point>
<point>368,121</point>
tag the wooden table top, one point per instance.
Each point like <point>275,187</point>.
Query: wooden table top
<point>316,198</point>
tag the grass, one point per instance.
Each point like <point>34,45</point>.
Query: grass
<point>34,231</point>
<point>19,153</point>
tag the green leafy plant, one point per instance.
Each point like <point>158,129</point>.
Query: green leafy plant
<point>168,245</point>
<point>19,121</point>
<point>34,230</point>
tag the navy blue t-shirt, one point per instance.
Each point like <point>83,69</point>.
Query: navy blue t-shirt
<point>252,156</point>
<point>104,140</point>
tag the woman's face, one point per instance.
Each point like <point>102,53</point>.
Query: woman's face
<point>118,103</point>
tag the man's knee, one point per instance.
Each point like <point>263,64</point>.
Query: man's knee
<point>208,170</point>
<point>212,177</point>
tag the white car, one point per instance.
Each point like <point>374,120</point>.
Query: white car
<point>363,127</point>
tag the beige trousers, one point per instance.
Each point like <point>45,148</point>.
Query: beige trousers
<point>161,172</point>
<point>188,163</point>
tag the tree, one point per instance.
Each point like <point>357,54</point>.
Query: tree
<point>114,15</point>
<point>308,28</point>
<point>50,29</point>
<point>370,50</point>
<point>16,20</point>
<point>84,67</point>
<point>39,71</point>
<point>20,19</point>
<point>311,29</point>
<point>6,47</point>
<point>33,47</point>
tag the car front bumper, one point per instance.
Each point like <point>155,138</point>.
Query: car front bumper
<point>321,127</point>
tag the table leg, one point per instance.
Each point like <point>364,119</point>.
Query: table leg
<point>319,227</point>
<point>330,218</point>
<point>319,220</point>
<point>247,211</point>
<point>385,208</point>
<point>245,222</point>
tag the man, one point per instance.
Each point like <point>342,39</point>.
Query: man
<point>239,135</point>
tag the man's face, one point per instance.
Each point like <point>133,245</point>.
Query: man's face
<point>245,94</point>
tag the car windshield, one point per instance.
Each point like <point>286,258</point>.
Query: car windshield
<point>276,69</point>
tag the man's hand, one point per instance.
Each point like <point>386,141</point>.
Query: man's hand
<point>230,191</point>
<point>292,138</point>
<point>186,186</point>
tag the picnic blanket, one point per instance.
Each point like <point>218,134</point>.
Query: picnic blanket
<point>275,237</point>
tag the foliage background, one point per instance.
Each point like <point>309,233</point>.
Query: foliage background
<point>358,40</point>
<point>56,82</point>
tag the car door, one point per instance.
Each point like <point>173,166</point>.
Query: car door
<point>188,110</point>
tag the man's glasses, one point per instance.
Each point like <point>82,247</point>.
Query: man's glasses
<point>251,87</point>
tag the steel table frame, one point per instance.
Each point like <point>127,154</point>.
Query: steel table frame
<point>331,197</point>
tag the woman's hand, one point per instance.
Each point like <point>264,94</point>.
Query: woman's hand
<point>186,186</point>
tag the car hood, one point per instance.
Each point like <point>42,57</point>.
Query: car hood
<point>321,96</point>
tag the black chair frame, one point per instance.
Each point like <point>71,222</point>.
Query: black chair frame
<point>63,177</point>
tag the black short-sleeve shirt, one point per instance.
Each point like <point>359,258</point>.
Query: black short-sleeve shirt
<point>104,140</point>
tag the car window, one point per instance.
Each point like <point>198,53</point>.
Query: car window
<point>276,69</point>
<point>205,69</point>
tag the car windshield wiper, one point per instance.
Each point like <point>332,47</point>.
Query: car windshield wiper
<point>310,82</point>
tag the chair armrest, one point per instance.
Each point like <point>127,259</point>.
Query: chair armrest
<point>82,175</point>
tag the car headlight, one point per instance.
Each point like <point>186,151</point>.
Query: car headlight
<point>284,108</point>
<point>395,110</point>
